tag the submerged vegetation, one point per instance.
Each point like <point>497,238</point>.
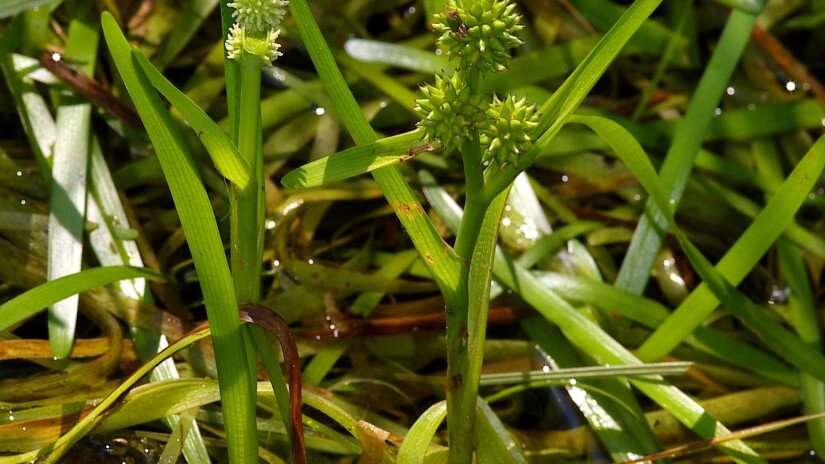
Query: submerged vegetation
<point>424,231</point>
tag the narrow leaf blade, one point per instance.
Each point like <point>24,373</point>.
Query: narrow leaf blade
<point>32,301</point>
<point>70,166</point>
<point>224,154</point>
<point>418,439</point>
<point>357,160</point>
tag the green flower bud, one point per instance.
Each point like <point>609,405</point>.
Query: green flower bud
<point>480,32</point>
<point>509,133</point>
<point>449,112</point>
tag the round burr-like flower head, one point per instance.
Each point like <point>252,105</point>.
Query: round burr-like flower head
<point>509,134</point>
<point>480,32</point>
<point>449,112</point>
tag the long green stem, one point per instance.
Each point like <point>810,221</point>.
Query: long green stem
<point>474,182</point>
<point>475,204</point>
<point>471,339</point>
<point>462,380</point>
<point>471,157</point>
<point>247,226</point>
<point>461,419</point>
<point>245,216</point>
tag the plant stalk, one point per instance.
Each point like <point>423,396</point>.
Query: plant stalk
<point>247,217</point>
<point>247,221</point>
<point>246,214</point>
<point>467,324</point>
<point>464,318</point>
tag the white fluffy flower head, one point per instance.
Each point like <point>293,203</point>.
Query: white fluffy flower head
<point>239,41</point>
<point>258,15</point>
<point>256,29</point>
<point>234,42</point>
<point>272,48</point>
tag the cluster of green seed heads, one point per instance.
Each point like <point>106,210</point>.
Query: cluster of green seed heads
<point>480,34</point>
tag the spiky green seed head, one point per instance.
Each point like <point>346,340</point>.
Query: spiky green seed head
<point>509,133</point>
<point>449,112</point>
<point>258,15</point>
<point>481,32</point>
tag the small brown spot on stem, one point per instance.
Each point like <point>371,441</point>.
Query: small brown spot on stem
<point>409,209</point>
<point>457,381</point>
<point>463,336</point>
<point>413,151</point>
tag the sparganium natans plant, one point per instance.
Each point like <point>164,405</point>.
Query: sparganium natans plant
<point>496,136</point>
<point>251,44</point>
<point>487,131</point>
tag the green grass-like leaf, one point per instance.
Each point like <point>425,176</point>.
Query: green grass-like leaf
<point>589,337</point>
<point>418,439</point>
<point>70,167</point>
<point>650,313</point>
<point>742,255</point>
<point>635,269</point>
<point>88,421</point>
<point>784,343</point>
<point>780,340</point>
<point>198,221</point>
<point>12,7</point>
<point>357,160</point>
<point>34,300</point>
<point>224,154</point>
